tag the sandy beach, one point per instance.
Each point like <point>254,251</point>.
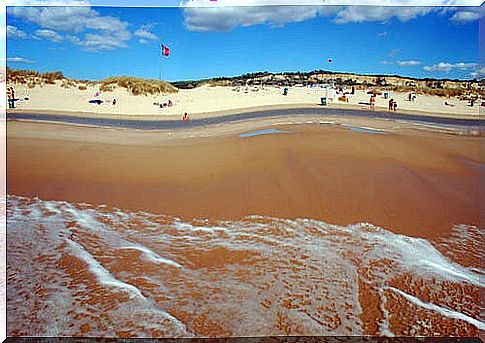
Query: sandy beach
<point>316,171</point>
<point>235,170</point>
<point>263,215</point>
<point>388,211</point>
<point>357,226</point>
<point>207,101</point>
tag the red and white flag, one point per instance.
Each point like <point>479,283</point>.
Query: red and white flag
<point>165,50</point>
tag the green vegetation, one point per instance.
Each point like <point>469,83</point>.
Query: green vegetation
<point>137,86</point>
<point>33,78</point>
<point>463,93</point>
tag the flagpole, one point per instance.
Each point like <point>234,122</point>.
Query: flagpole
<point>160,63</point>
<point>159,69</point>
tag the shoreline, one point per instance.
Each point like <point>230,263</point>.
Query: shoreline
<point>243,110</point>
<point>472,126</point>
<point>317,171</point>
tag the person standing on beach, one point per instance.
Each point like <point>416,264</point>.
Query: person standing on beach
<point>394,105</point>
<point>11,97</point>
<point>391,104</point>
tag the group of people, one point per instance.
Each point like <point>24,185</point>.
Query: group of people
<point>392,105</point>
<point>11,97</point>
<point>412,97</point>
<point>341,90</point>
<point>166,104</point>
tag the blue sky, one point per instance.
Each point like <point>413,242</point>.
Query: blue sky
<point>97,42</point>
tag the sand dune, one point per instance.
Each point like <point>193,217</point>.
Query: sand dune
<point>207,99</point>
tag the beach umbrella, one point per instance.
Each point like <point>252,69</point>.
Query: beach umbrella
<point>374,92</point>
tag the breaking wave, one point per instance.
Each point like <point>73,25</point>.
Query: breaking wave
<point>79,269</point>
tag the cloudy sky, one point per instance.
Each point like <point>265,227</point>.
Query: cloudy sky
<point>96,42</point>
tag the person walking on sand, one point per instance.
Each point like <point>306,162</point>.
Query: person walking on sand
<point>372,102</point>
<point>391,104</point>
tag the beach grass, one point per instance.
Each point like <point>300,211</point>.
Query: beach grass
<point>137,86</point>
<point>442,92</point>
<point>33,78</point>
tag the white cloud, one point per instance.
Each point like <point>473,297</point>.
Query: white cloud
<point>145,35</point>
<point>18,60</point>
<point>105,32</point>
<point>410,63</point>
<point>15,33</point>
<point>464,66</point>
<point>73,19</point>
<point>442,66</point>
<point>446,66</point>
<point>227,18</point>
<point>49,35</point>
<point>359,14</point>
<point>231,14</point>
<point>464,15</point>
<point>46,3</point>
<point>479,73</point>
<point>99,42</point>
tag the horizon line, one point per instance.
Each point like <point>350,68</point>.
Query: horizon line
<point>262,72</point>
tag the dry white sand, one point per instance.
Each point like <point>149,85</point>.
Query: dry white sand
<point>207,99</point>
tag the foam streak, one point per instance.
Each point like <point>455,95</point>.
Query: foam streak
<point>441,310</point>
<point>100,272</point>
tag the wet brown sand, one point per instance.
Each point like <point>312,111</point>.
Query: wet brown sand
<point>416,183</point>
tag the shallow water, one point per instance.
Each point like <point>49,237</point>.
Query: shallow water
<point>261,132</point>
<point>78,269</point>
<point>367,130</point>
